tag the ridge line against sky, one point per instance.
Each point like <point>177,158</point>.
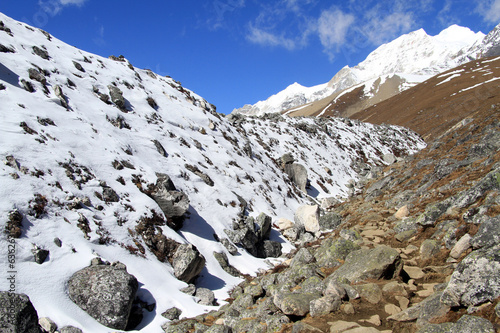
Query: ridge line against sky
<point>236,52</point>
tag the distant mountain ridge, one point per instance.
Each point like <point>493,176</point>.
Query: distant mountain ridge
<point>415,54</point>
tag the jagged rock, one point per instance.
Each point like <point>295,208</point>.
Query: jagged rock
<point>17,314</point>
<point>28,86</point>
<point>432,213</point>
<point>189,290</point>
<point>324,305</point>
<point>172,313</point>
<point>475,280</point>
<point>461,246</point>
<point>221,258</point>
<point>402,212</point>
<point>380,262</point>
<point>206,178</point>
<point>307,216</point>
<point>159,147</point>
<point>78,66</point>
<point>465,324</point>
<point>466,198</point>
<point>5,49</point>
<point>296,304</point>
<point>332,253</point>
<point>425,311</point>
<point>488,233</point>
<point>47,324</point>
<point>298,173</point>
<point>109,195</point>
<point>302,257</point>
<point>264,223</point>
<point>174,204</point>
<point>429,248</point>
<point>370,292</point>
<point>40,254</point>
<point>206,296</point>
<point>41,53</point>
<point>117,97</point>
<point>187,263</point>
<point>330,221</point>
<point>105,292</point>
<point>233,250</point>
<point>70,329</point>
<point>269,249</point>
<point>59,94</point>
<point>34,74</point>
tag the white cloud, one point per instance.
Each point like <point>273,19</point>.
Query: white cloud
<point>54,7</point>
<point>489,10</point>
<point>72,2</point>
<point>333,26</point>
<point>259,36</point>
<point>381,29</point>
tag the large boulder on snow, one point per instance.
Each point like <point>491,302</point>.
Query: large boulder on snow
<point>174,204</point>
<point>187,263</point>
<point>105,292</point>
<point>298,173</point>
<point>17,314</point>
<point>307,216</point>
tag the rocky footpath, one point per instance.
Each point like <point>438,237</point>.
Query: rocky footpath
<point>414,249</point>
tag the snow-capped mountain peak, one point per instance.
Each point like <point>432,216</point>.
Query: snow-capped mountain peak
<point>415,53</point>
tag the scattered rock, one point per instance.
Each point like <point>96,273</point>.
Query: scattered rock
<point>465,324</point>
<point>284,224</point>
<point>172,313</point>
<point>461,246</point>
<point>330,221</point>
<point>425,311</point>
<point>429,248</point>
<point>298,174</point>
<point>370,292</point>
<point>105,292</point>
<point>488,233</point>
<point>402,212</point>
<point>70,329</point>
<point>296,304</point>
<point>40,254</point>
<point>14,224</point>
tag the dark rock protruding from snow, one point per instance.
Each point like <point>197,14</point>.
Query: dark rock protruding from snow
<point>253,235</point>
<point>174,204</point>
<point>117,97</point>
<point>17,314</point>
<point>187,263</point>
<point>105,292</point>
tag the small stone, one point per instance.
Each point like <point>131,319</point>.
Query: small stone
<point>429,248</point>
<point>342,326</point>
<point>206,296</point>
<point>402,212</point>
<point>349,309</point>
<point>394,288</point>
<point>461,246</point>
<point>374,320</point>
<point>189,290</point>
<point>40,255</point>
<point>47,324</point>
<point>58,242</point>
<point>403,302</point>
<point>370,292</point>
<point>172,313</point>
<point>414,272</point>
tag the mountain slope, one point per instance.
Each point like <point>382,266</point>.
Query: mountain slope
<point>85,141</point>
<point>415,53</point>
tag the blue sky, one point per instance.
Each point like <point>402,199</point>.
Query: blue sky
<point>234,52</point>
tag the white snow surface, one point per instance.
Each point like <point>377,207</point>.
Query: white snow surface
<point>415,53</point>
<point>82,138</point>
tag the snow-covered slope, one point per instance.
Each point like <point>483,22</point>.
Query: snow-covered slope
<point>415,53</point>
<point>61,138</point>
